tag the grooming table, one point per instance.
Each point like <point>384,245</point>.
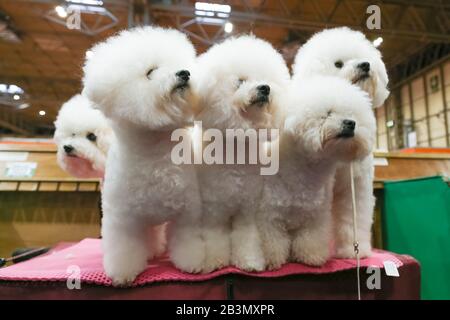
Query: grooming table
<point>45,277</point>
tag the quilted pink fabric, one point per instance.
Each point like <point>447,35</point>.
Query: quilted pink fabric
<point>86,257</point>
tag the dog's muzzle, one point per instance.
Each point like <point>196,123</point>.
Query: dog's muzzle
<point>262,95</point>
<point>68,149</point>
<point>347,129</point>
<point>363,72</point>
<point>183,77</point>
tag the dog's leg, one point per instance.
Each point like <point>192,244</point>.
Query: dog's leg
<point>246,248</point>
<point>216,232</point>
<point>276,243</point>
<point>186,245</point>
<point>157,240</point>
<point>343,211</point>
<point>125,249</point>
<point>310,244</point>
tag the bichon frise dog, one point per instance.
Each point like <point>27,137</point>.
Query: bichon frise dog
<point>240,81</point>
<point>327,120</point>
<point>140,79</point>
<point>83,137</point>
<point>347,54</point>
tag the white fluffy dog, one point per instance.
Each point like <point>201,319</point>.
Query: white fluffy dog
<point>327,120</point>
<point>83,137</point>
<point>238,88</point>
<point>140,80</point>
<point>347,54</point>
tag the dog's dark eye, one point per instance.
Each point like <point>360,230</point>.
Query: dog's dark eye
<point>240,81</point>
<point>339,64</point>
<point>91,137</point>
<point>328,115</point>
<point>149,72</point>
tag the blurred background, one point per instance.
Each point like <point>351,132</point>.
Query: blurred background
<point>43,44</point>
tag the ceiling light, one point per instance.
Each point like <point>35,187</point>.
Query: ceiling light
<point>228,27</point>
<point>87,2</point>
<point>11,89</point>
<point>61,11</point>
<point>23,106</point>
<point>212,13</point>
<point>206,6</point>
<point>377,42</point>
<point>211,21</point>
<point>16,97</point>
<point>42,113</point>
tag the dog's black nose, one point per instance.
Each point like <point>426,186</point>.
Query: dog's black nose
<point>349,124</point>
<point>68,148</point>
<point>364,66</point>
<point>347,129</point>
<point>183,75</point>
<point>263,89</point>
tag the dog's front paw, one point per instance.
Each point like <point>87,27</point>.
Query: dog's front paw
<point>310,252</point>
<point>123,273</point>
<point>276,261</point>
<point>215,261</point>
<point>188,256</point>
<point>250,262</point>
<point>189,265</point>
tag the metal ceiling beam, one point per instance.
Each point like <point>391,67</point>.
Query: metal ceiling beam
<point>297,23</point>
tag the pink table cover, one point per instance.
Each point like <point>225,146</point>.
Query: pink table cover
<point>86,257</point>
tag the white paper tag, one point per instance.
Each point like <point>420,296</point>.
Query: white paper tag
<point>380,162</point>
<point>391,269</point>
<point>20,169</point>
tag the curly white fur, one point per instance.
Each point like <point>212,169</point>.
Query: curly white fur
<point>132,78</point>
<point>338,52</point>
<point>82,136</point>
<point>295,210</point>
<point>229,76</point>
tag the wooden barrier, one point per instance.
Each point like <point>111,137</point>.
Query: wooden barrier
<point>48,207</point>
<point>402,166</point>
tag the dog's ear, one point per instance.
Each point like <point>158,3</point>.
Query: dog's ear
<point>105,136</point>
<point>380,85</point>
<point>380,95</point>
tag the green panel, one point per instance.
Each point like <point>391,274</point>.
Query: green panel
<point>416,219</point>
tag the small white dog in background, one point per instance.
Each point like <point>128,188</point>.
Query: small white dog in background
<point>140,79</point>
<point>83,137</point>
<point>348,54</point>
<point>239,85</point>
<point>327,120</point>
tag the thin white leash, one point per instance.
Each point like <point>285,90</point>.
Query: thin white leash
<point>355,234</point>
